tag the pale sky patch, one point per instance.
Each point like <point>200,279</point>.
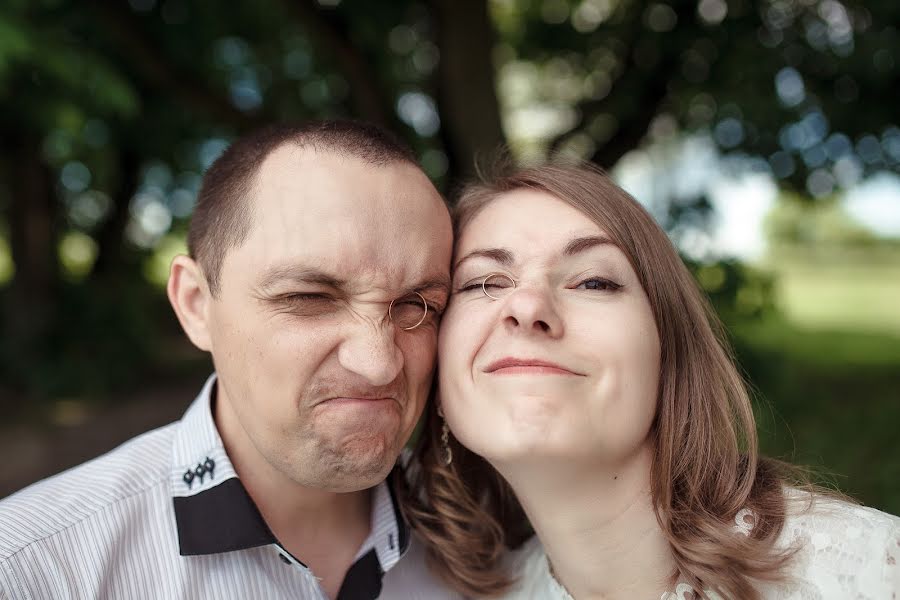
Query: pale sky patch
<point>875,203</point>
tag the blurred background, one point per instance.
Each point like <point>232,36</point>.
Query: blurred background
<point>763,135</point>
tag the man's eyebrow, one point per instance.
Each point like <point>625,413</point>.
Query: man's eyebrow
<point>298,274</point>
<point>586,243</point>
<point>500,255</point>
<point>303,274</point>
<point>440,283</point>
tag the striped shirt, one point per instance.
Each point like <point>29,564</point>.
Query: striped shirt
<point>166,516</point>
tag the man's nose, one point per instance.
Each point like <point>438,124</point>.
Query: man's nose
<point>371,352</point>
<point>532,310</point>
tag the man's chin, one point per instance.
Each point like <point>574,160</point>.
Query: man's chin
<point>359,463</point>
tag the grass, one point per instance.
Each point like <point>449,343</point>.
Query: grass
<point>829,399</point>
<point>826,370</point>
<point>840,289</point>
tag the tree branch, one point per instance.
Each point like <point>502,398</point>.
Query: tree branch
<point>467,96</point>
<point>331,33</point>
<point>141,51</point>
<point>111,235</point>
<point>645,94</point>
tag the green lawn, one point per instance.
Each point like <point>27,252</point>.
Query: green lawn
<point>826,369</point>
<point>829,400</point>
<point>855,291</point>
<point>856,298</point>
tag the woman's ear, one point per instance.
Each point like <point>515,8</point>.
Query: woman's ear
<point>190,297</point>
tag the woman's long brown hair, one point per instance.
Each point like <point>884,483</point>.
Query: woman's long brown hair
<point>706,463</point>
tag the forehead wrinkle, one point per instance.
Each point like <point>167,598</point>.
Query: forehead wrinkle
<point>298,274</point>
<point>364,217</point>
<point>305,274</point>
<point>439,284</point>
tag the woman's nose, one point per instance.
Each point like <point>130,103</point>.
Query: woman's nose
<point>531,310</point>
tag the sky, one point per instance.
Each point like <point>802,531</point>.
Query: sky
<point>741,198</point>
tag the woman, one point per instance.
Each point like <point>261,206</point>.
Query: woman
<point>579,359</point>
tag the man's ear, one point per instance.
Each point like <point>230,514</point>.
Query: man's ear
<point>190,297</point>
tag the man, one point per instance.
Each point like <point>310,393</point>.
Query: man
<point>318,267</point>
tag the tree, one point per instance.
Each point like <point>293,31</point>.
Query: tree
<point>111,111</point>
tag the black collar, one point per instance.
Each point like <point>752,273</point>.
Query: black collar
<point>224,518</point>
<point>215,514</point>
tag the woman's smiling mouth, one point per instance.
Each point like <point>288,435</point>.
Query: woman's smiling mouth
<point>526,366</point>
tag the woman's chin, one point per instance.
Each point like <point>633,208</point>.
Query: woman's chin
<point>528,449</point>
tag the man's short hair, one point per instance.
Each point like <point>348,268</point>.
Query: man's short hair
<point>222,216</point>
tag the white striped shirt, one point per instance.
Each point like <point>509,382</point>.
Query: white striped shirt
<point>165,516</point>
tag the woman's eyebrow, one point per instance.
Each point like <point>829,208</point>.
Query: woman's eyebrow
<point>500,255</point>
<point>505,257</point>
<point>581,244</point>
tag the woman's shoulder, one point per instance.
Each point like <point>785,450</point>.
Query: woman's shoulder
<point>841,546</point>
<point>822,513</point>
<point>821,519</point>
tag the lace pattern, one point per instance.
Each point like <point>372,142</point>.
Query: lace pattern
<point>845,551</point>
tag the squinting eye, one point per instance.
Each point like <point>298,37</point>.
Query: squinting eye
<point>494,285</point>
<point>412,311</point>
<point>598,284</point>
<point>499,281</point>
<point>311,304</point>
<point>308,298</point>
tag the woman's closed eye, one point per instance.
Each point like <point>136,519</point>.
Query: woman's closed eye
<point>468,287</point>
<point>498,282</point>
<point>476,284</point>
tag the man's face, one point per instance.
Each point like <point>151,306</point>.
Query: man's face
<point>316,383</point>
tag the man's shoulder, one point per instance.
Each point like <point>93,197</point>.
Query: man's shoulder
<point>58,503</point>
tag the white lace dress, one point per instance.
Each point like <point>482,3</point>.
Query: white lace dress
<point>846,552</point>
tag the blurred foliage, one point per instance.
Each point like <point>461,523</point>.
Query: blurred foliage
<point>738,292</point>
<point>96,343</point>
<point>111,111</point>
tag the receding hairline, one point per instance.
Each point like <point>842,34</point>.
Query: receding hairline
<point>315,148</point>
<point>250,197</point>
<point>222,216</point>
<point>322,148</point>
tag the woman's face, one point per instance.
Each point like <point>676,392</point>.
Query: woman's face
<point>563,366</point>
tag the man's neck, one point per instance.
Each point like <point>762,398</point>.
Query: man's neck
<point>323,529</point>
<point>597,526</point>
<point>306,519</point>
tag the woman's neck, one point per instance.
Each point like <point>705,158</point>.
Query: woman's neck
<point>597,525</point>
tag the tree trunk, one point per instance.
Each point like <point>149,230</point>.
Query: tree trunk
<point>467,97</point>
<point>331,35</point>
<point>33,240</point>
<point>112,255</point>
